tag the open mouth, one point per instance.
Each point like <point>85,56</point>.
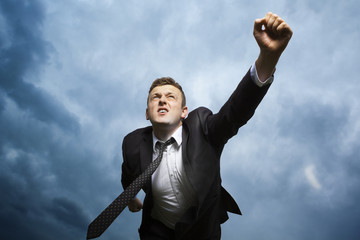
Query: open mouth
<point>163,110</point>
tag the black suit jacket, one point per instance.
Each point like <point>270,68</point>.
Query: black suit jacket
<point>204,137</point>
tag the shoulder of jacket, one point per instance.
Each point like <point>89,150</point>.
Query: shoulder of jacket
<point>200,113</point>
<point>138,133</point>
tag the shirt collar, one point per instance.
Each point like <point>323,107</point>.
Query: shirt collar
<point>177,135</point>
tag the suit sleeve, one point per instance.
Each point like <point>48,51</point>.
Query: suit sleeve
<point>128,167</point>
<point>125,175</point>
<point>238,109</point>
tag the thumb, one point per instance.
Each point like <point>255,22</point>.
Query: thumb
<point>258,24</point>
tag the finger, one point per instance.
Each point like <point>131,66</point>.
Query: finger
<point>284,29</point>
<point>268,16</point>
<point>276,24</point>
<point>270,20</point>
<point>132,209</point>
<point>135,208</point>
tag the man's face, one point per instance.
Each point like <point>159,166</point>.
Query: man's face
<point>165,107</point>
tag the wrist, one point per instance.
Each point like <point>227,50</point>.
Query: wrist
<point>266,63</point>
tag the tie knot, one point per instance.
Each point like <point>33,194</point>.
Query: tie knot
<point>163,145</point>
<point>170,141</point>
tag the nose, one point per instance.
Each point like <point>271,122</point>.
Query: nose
<point>162,100</point>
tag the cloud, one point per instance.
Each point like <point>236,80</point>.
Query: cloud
<point>23,52</point>
<point>311,177</point>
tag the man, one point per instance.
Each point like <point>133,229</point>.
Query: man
<point>185,199</point>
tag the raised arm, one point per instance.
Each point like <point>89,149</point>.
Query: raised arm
<point>272,35</point>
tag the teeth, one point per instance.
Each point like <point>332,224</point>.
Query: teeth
<point>162,111</point>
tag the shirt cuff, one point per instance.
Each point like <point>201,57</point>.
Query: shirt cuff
<point>255,77</point>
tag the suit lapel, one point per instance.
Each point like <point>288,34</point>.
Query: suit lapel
<point>186,162</point>
<point>189,217</point>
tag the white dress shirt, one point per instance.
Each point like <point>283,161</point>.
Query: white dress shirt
<point>172,192</point>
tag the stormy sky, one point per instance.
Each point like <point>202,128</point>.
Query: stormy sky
<point>74,77</point>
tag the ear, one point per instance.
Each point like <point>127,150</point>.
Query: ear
<point>147,114</point>
<point>184,112</point>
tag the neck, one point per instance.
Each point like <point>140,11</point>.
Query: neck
<point>164,133</point>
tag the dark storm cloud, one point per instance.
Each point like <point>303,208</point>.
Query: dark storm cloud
<point>322,127</point>
<point>27,213</point>
<point>31,126</point>
<point>33,177</point>
<point>279,200</point>
<point>23,52</point>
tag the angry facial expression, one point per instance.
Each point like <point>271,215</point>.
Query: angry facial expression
<point>165,107</point>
